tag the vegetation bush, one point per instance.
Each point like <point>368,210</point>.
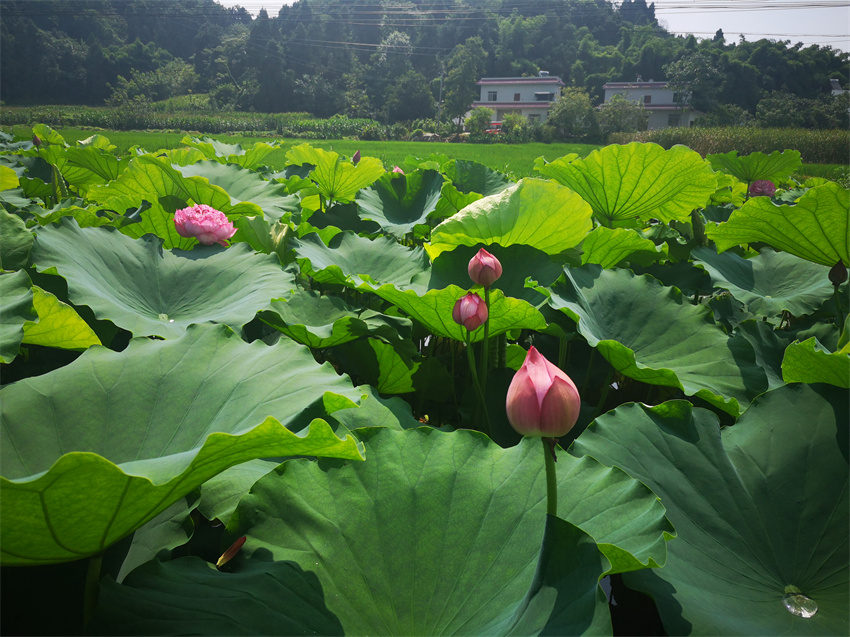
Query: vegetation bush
<point>815,146</point>
<point>479,120</point>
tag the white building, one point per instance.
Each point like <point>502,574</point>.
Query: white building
<point>661,103</point>
<point>531,97</point>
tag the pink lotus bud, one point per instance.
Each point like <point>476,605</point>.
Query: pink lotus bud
<point>470,311</point>
<point>542,400</point>
<point>204,222</point>
<point>484,268</point>
<point>762,187</point>
<point>838,273</point>
<point>396,169</point>
<point>355,157</point>
<point>231,552</point>
<point>36,141</point>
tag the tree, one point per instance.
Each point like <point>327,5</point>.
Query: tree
<point>696,79</point>
<point>573,116</point>
<point>621,115</point>
<point>464,68</point>
<point>479,119</point>
<point>409,98</point>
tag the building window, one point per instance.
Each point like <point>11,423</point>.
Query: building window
<point>647,99</point>
<point>516,97</point>
<point>674,119</point>
<point>491,96</point>
<point>544,97</point>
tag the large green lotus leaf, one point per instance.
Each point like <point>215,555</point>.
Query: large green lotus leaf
<point>420,540</point>
<point>89,165</point>
<point>119,436</point>
<point>608,246</point>
<point>769,282</point>
<point>649,333</point>
<point>534,212</point>
<point>399,202</point>
<point>150,291</point>
<point>251,157</point>
<point>769,346</point>
<point>16,309</point>
<point>58,324</point>
<point>348,257</point>
<point>191,596</point>
<point>810,362</point>
<point>380,364</point>
<point>221,493</point>
<point>434,310</point>
<point>8,178</point>
<point>15,242</point>
<point>816,228</point>
<point>244,186</point>
<point>149,178</point>
<point>774,167</point>
<point>453,200</point>
<point>337,179</point>
<point>471,176</point>
<point>629,185</point>
<point>325,321</point>
<point>757,507</point>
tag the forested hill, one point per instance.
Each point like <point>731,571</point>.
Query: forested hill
<point>386,59</point>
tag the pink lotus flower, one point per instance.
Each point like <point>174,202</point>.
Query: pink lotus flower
<point>204,222</point>
<point>470,311</point>
<point>542,400</point>
<point>396,169</point>
<point>355,158</point>
<point>484,269</point>
<point>762,187</point>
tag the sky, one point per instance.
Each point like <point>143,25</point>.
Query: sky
<point>809,21</point>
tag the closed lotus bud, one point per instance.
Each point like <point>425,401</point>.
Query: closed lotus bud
<point>355,157</point>
<point>762,187</point>
<point>542,400</point>
<point>484,268</point>
<point>470,311</point>
<point>231,552</point>
<point>204,222</point>
<point>838,273</point>
<point>36,141</point>
<point>398,170</point>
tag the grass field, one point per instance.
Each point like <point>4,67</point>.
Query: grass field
<point>517,160</point>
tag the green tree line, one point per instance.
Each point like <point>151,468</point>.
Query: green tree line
<point>391,62</point>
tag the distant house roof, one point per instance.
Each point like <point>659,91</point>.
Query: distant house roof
<point>546,79</point>
<point>634,85</point>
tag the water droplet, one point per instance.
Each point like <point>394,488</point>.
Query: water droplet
<point>798,604</point>
<point>163,317</point>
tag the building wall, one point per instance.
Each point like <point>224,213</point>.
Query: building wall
<point>526,91</point>
<point>656,95</point>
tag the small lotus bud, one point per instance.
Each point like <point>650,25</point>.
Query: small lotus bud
<point>470,311</point>
<point>396,169</point>
<point>230,553</point>
<point>36,141</point>
<point>542,400</point>
<point>204,222</point>
<point>484,268</point>
<point>838,273</point>
<point>355,157</point>
<point>762,187</point>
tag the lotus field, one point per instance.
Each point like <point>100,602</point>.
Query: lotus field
<point>256,402</point>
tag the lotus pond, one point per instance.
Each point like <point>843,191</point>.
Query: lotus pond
<point>291,432</point>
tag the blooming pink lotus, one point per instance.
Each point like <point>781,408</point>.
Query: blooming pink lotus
<point>542,400</point>
<point>484,268</point>
<point>470,311</point>
<point>398,170</point>
<point>204,222</point>
<point>762,187</point>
